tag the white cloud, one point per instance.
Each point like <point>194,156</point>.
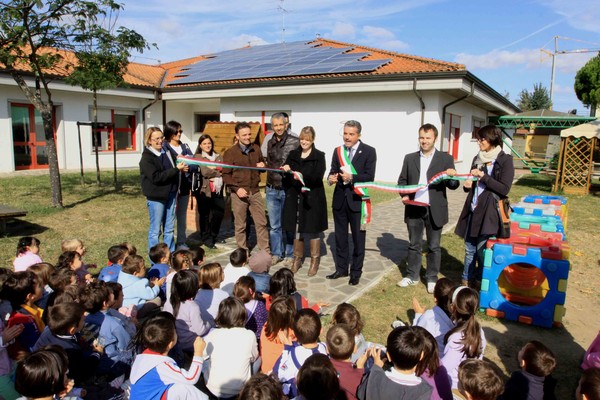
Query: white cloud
<point>496,59</point>
<point>580,14</point>
<point>343,30</point>
<point>375,32</point>
<point>394,45</point>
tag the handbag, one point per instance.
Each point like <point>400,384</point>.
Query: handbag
<point>504,210</point>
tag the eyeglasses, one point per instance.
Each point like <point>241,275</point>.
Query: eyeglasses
<point>158,139</point>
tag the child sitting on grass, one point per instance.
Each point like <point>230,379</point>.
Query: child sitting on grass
<point>235,269</point>
<point>436,320</point>
<point>77,245</point>
<point>244,290</point>
<point>307,328</point>
<point>210,296</point>
<point>340,345</point>
<point>346,313</point>
<point>116,255</point>
<point>160,255</point>
<point>72,260</point>
<point>533,381</point>
<point>479,380</point>
<point>154,375</point>
<point>28,249</point>
<point>277,330</point>
<point>404,351</point>
<point>137,290</point>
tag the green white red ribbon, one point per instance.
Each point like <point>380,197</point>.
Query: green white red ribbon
<point>408,189</point>
<point>207,163</point>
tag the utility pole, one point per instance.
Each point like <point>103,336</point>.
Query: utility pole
<point>283,12</point>
<point>556,52</point>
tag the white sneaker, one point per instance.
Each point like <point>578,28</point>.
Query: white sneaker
<point>397,323</point>
<point>406,282</point>
<point>430,287</point>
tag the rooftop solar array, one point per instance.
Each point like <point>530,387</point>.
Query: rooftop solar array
<point>276,60</point>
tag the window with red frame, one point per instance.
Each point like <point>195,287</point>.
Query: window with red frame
<point>122,136</point>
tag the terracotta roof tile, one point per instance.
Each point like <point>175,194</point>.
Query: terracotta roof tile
<point>137,74</point>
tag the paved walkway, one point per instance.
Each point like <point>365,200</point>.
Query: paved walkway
<point>386,247</point>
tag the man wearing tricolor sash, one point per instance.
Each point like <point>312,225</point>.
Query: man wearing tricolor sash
<point>427,209</point>
<point>351,163</point>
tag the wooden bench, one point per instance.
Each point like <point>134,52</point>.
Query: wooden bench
<point>7,213</point>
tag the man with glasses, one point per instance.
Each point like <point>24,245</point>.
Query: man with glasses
<point>427,209</point>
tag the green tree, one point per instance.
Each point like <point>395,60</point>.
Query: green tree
<point>539,99</point>
<point>587,84</point>
<point>31,32</point>
<point>103,53</point>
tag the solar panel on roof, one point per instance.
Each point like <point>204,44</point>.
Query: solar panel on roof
<point>276,60</point>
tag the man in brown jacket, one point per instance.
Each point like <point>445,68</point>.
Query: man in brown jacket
<point>243,184</point>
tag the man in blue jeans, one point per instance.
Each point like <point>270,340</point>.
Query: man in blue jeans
<point>278,148</point>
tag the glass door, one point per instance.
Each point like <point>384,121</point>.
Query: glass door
<point>29,142</point>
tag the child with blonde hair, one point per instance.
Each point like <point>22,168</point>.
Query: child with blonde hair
<point>210,296</point>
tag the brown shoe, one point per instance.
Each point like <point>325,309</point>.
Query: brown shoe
<point>298,253</point>
<point>315,256</point>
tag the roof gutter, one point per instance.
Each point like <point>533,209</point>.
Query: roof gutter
<point>448,105</point>
<point>157,97</point>
<point>420,100</point>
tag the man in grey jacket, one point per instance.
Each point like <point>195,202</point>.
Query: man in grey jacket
<point>278,148</point>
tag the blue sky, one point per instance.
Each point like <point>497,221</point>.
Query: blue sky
<point>498,41</point>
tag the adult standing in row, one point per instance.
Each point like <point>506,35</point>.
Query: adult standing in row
<point>479,219</point>
<point>278,149</point>
<point>211,203</point>
<point>353,162</point>
<point>177,148</point>
<point>305,211</point>
<point>427,209</point>
<point>243,183</point>
<point>160,180</point>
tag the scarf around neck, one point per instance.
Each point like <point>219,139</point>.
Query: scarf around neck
<point>485,157</point>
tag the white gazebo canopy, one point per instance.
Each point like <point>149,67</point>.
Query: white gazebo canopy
<point>588,130</point>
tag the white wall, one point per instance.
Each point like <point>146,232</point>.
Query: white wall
<point>72,107</point>
<point>390,121</point>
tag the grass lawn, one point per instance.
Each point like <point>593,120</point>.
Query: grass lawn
<point>100,216</point>
<point>386,301</point>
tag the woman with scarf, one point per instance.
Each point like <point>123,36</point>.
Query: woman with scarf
<point>211,204</point>
<point>177,148</point>
<point>479,219</point>
<point>160,182</point>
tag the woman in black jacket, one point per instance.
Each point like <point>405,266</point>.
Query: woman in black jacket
<point>305,211</point>
<point>176,147</point>
<point>160,181</point>
<point>479,219</point>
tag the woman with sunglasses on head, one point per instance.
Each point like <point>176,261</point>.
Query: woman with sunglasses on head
<point>177,148</point>
<point>479,219</point>
<point>160,182</point>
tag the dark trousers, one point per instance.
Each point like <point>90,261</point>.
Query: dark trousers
<point>342,218</point>
<point>210,210</point>
<point>416,224</point>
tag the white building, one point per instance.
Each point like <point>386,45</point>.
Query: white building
<point>321,83</point>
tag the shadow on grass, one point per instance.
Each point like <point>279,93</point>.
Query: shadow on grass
<point>514,336</point>
<point>19,228</point>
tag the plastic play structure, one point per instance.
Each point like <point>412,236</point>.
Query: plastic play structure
<point>525,276</point>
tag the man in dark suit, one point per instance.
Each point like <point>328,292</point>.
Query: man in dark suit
<point>352,162</point>
<point>427,209</point>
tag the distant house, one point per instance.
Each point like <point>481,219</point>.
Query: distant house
<point>321,83</point>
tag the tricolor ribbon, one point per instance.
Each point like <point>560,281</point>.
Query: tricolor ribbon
<point>362,191</point>
<point>207,163</point>
<point>408,189</point>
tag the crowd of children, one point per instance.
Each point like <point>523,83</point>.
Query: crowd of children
<point>186,329</point>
